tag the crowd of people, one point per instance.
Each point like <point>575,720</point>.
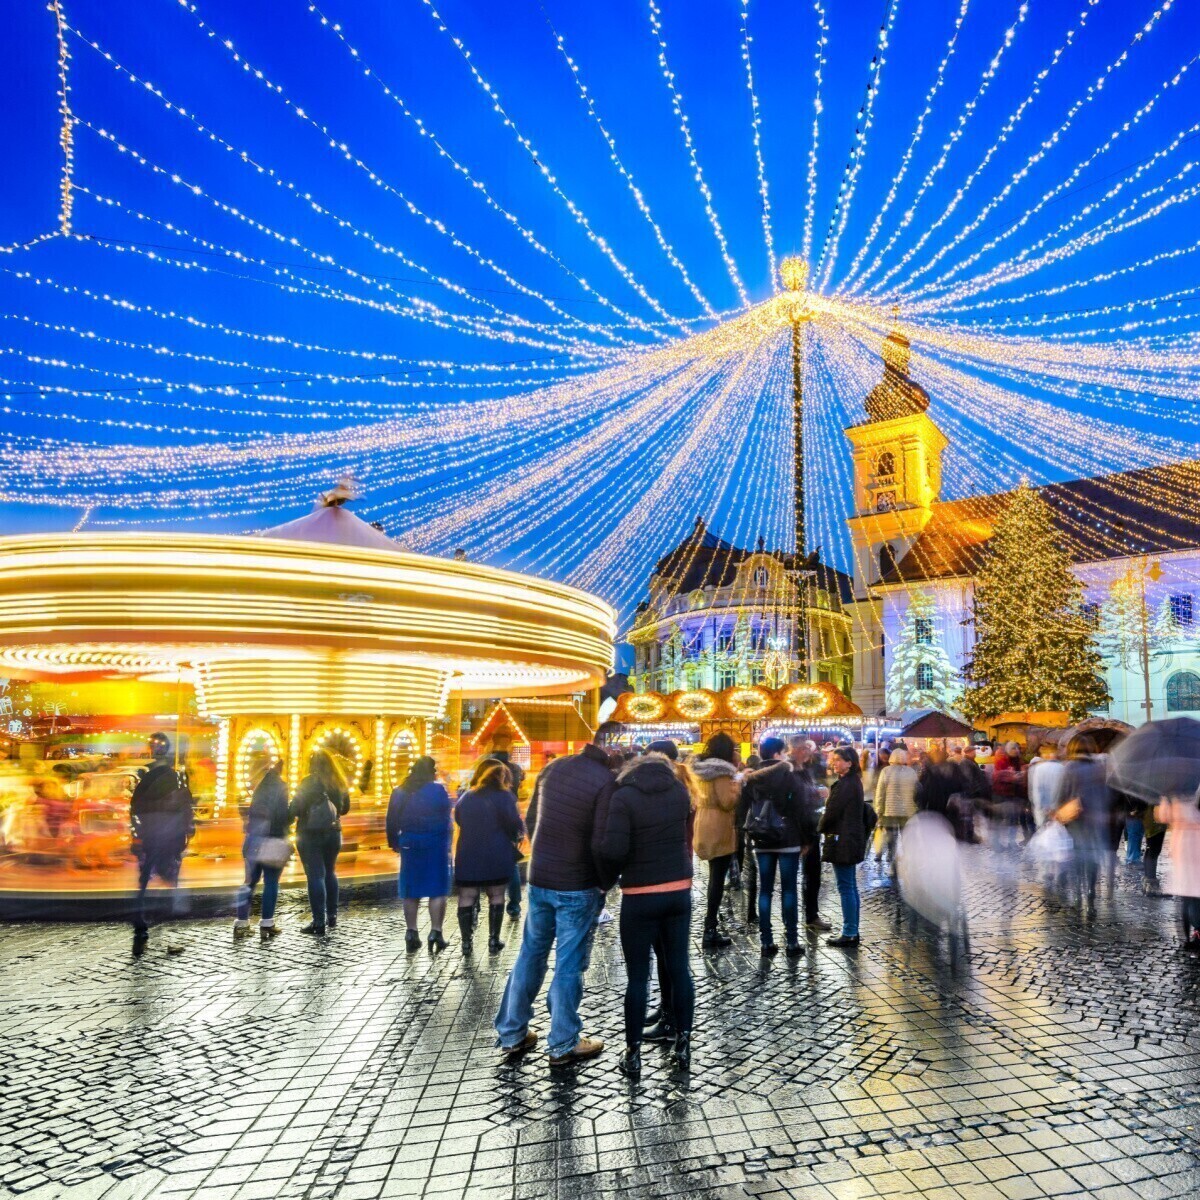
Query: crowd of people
<point>637,820</point>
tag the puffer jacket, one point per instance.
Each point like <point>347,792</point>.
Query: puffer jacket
<point>645,832</point>
<point>562,821</point>
<point>719,790</point>
<point>896,792</point>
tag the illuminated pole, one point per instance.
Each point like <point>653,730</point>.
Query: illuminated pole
<point>793,274</point>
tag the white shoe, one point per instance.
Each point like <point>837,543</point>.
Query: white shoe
<point>605,917</point>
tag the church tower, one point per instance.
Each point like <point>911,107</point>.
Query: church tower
<point>897,477</point>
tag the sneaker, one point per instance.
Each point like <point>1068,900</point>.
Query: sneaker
<point>526,1043</point>
<point>818,922</point>
<point>585,1048</point>
<point>605,917</point>
<point>241,930</point>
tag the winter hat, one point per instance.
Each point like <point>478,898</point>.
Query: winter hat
<point>664,746</point>
<point>771,747</point>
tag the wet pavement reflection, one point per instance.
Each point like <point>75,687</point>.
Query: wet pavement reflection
<point>1038,1055</point>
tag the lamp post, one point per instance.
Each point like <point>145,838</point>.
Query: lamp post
<point>793,274</point>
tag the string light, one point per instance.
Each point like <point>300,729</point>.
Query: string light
<point>756,127</point>
<point>697,173</point>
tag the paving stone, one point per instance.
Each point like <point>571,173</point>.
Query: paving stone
<point>1050,1058</point>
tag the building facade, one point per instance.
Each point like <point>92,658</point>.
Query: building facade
<point>718,615</point>
<point>1134,537</point>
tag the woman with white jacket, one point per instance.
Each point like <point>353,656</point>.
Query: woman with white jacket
<point>895,799</point>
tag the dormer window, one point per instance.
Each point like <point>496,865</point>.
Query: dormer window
<point>762,577</point>
<point>886,464</point>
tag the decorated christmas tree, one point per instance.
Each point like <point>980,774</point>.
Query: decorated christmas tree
<point>1035,649</point>
<point>921,674</point>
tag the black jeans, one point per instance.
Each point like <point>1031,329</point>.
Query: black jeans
<point>810,865</point>
<point>718,868</point>
<point>318,852</point>
<point>664,918</point>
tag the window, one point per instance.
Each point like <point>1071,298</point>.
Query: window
<point>1091,615</point>
<point>1183,692</point>
<point>887,559</point>
<point>726,677</point>
<point>1182,610</point>
<point>724,643</point>
<point>756,674</point>
<point>1103,706</point>
<point>762,577</point>
<point>924,676</point>
<point>886,464</point>
<point>923,631</point>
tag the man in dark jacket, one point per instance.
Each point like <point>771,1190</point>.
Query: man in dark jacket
<point>501,745</point>
<point>564,897</point>
<point>160,818</point>
<point>775,785</point>
<point>802,752</point>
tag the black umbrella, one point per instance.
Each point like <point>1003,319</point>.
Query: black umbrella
<point>1162,758</point>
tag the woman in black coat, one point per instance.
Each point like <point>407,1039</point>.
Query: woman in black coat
<point>646,835</point>
<point>844,824</point>
<point>489,828</point>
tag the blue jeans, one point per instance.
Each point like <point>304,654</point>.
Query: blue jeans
<point>318,853</point>
<point>270,881</point>
<point>1133,839</point>
<point>789,868</point>
<point>564,920</point>
<point>847,885</point>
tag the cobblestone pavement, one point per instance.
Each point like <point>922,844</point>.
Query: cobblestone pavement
<point>1052,1058</point>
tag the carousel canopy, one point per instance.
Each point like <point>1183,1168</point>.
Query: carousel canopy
<point>335,525</point>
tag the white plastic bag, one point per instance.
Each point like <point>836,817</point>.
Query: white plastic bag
<point>927,868</point>
<point>1051,845</point>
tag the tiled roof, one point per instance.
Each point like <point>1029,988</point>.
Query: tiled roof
<point>1154,510</point>
<point>705,560</point>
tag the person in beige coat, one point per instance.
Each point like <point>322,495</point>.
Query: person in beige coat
<point>895,799</point>
<point>715,836</point>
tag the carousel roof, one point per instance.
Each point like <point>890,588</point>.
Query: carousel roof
<point>334,524</point>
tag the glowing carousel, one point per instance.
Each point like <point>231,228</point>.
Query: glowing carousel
<point>320,633</point>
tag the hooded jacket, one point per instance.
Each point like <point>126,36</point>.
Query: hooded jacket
<point>715,833</point>
<point>646,831</point>
<point>791,799</point>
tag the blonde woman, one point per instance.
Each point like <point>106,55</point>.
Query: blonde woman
<point>895,799</point>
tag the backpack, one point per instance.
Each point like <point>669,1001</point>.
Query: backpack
<point>321,814</point>
<point>764,824</point>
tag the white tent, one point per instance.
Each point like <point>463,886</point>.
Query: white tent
<point>335,524</point>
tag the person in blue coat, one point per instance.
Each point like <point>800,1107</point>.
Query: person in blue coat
<point>419,829</point>
<point>266,824</point>
<point>489,830</point>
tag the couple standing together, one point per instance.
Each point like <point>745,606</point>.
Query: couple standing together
<point>590,827</point>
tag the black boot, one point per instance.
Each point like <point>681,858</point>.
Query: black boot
<point>466,929</point>
<point>630,1063</point>
<point>714,939</point>
<point>683,1051</point>
<point>495,921</point>
<point>663,1030</point>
